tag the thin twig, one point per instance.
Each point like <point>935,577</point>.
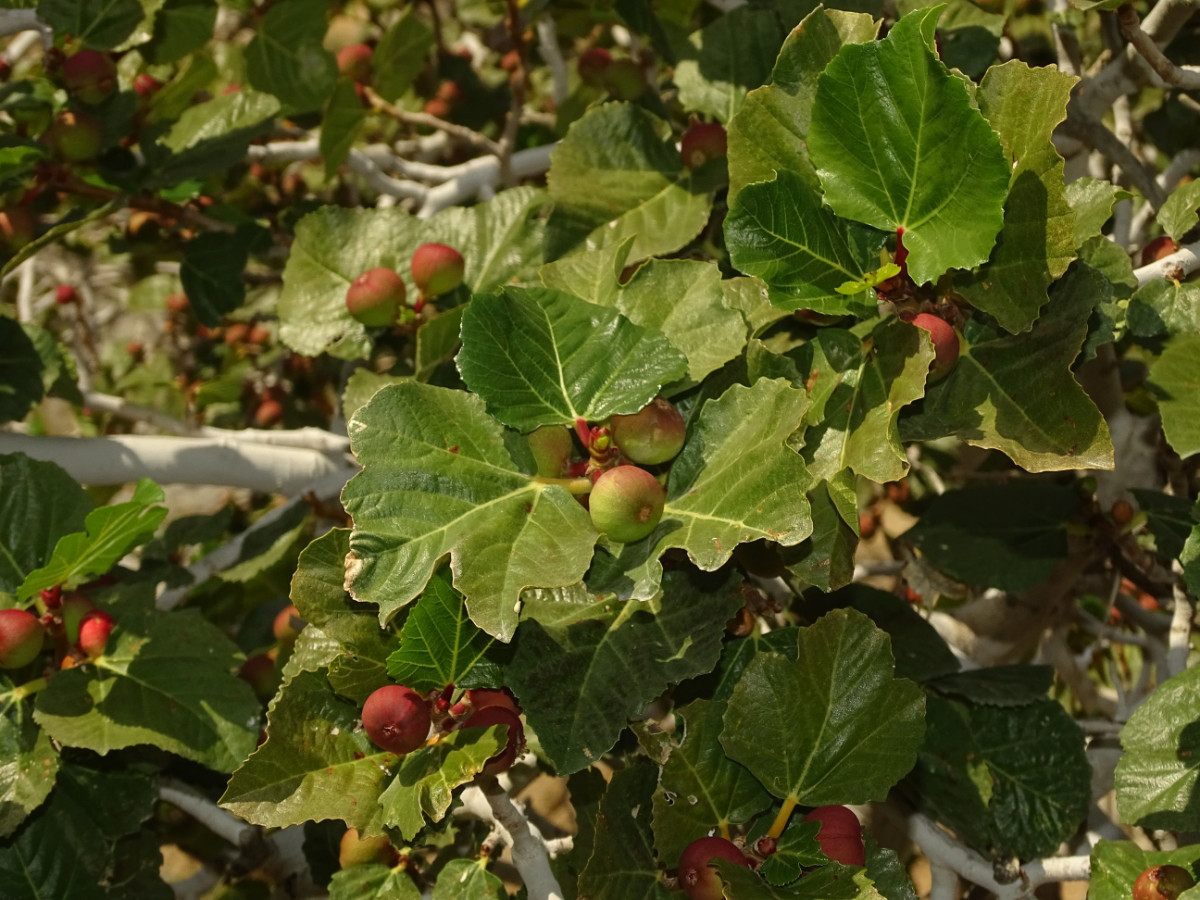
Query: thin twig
<point>427,121</point>
<point>1184,77</point>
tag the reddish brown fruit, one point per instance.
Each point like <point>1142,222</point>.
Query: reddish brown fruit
<point>93,633</point>
<point>396,719</point>
<point>17,228</point>
<point>21,636</point>
<point>177,303</point>
<point>946,344</point>
<point>268,413</point>
<point>354,61</point>
<point>1122,512</point>
<point>437,269</point>
<point>146,85</point>
<point>652,435</point>
<point>699,879</point>
<point>1162,883</point>
<point>236,333</point>
<point>840,835</point>
<point>702,142</point>
<point>90,77</point>
<point>375,297</point>
<point>499,715</point>
<point>449,92</point>
<point>288,625</point>
<point>592,65</point>
<point>65,294</point>
<point>437,108</point>
<point>1157,249</point>
<point>479,698</point>
<point>626,503</point>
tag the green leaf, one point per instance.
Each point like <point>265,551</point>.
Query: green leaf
<point>888,871</point>
<point>97,24</point>
<point>439,480</point>
<point>317,763</point>
<point>726,58</point>
<point>1093,200</point>
<point>866,381</point>
<point>18,159</point>
<point>845,676</point>
<point>212,136</point>
<point>344,116</point>
<point>20,372</point>
<point>1178,214</point>
<point>1037,242</point>
<point>400,55</point>
<point>796,851</point>
<point>1017,395</point>
<point>1010,781</point>
<point>769,132</point>
<point>373,881</point>
<point>39,503</point>
<point>109,533</point>
<point>498,240</point>
<point>898,144</point>
<point>826,559</point>
<point>1190,558</point>
<point>623,863</point>
<point>1117,864</point>
<point>828,882</point>
<point>700,787</point>
<point>1019,543</point>
<point>1164,307</point>
<point>285,56</point>
<point>780,232</point>
<point>1016,685</point>
<point>1169,518</point>
<point>212,270</point>
<point>541,357</point>
<point>439,645</point>
<point>180,27</point>
<point>613,177</point>
<point>1175,379</point>
<point>468,879</point>
<point>1156,776</point>
<point>580,680</point>
<point>165,680</point>
<point>28,760</point>
<point>424,784</point>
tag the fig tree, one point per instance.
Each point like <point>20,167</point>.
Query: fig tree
<point>90,77</point>
<point>375,297</point>
<point>437,269</point>
<point>499,715</point>
<point>946,344</point>
<point>840,835</point>
<point>396,719</point>
<point>1162,883</point>
<point>653,435</point>
<point>626,503</point>
<point>21,636</point>
<point>701,142</point>
<point>699,879</point>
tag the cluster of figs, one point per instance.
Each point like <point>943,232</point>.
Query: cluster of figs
<point>78,631</point>
<point>376,297</point>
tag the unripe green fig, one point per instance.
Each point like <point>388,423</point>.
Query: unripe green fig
<point>592,65</point>
<point>499,715</point>
<point>1162,883</point>
<point>21,636</point>
<point>375,297</point>
<point>396,719</point>
<point>437,269</point>
<point>700,880</point>
<point>75,137</point>
<point>840,835</point>
<point>93,633</point>
<point>552,448</point>
<point>653,435</point>
<point>626,503</point>
<point>946,344</point>
<point>90,77</point>
<point>354,61</point>
<point>624,79</point>
<point>357,851</point>
<point>701,142</point>
<point>74,607</point>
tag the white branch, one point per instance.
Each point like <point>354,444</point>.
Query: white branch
<point>218,821</point>
<point>179,460</point>
<point>483,173</point>
<point>14,21</point>
<point>1176,266</point>
<point>1179,638</point>
<point>548,48</point>
<point>491,803</point>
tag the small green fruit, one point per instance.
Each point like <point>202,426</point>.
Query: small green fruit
<point>75,137</point>
<point>375,297</point>
<point>552,448</point>
<point>74,607</point>
<point>625,80</point>
<point>437,269</point>
<point>626,503</point>
<point>1162,883</point>
<point>21,636</point>
<point>357,851</point>
<point>90,77</point>
<point>651,436</point>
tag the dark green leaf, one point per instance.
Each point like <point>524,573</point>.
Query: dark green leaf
<point>400,55</point>
<point>344,115</point>
<point>39,503</point>
<point>28,760</point>
<point>180,27</point>
<point>1016,685</point>
<point>623,865</point>
<point>98,24</point>
<point>211,273</point>
<point>1175,379</point>
<point>20,372</point>
<point>1178,214</point>
<point>727,58</point>
<point>285,56</point>
<point>1166,308</point>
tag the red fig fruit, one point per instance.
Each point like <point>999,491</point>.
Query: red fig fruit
<point>592,65</point>
<point>653,435</point>
<point>21,636</point>
<point>1162,883</point>
<point>375,297</point>
<point>437,269</point>
<point>699,879</point>
<point>701,142</point>
<point>90,77</point>
<point>354,61</point>
<point>93,633</point>
<point>626,503</point>
<point>946,344</point>
<point>499,715</point>
<point>396,719</point>
<point>1157,249</point>
<point>840,835</point>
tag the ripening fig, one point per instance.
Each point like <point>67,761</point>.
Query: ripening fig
<point>75,136</point>
<point>1157,249</point>
<point>357,851</point>
<point>946,344</point>
<point>1162,883</point>
<point>626,503</point>
<point>375,297</point>
<point>287,625</point>
<point>17,228</point>
<point>499,715</point>
<point>840,835</point>
<point>652,435</point>
<point>269,412</point>
<point>396,719</point>
<point>74,607</point>
<point>146,85</point>
<point>437,269</point>
<point>21,636</point>
<point>258,671</point>
<point>701,142</point>
<point>624,79</point>
<point>90,77</point>
<point>592,65</point>
<point>93,633</point>
<point>502,697</point>
<point>354,61</point>
<point>552,447</point>
<point>699,879</point>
